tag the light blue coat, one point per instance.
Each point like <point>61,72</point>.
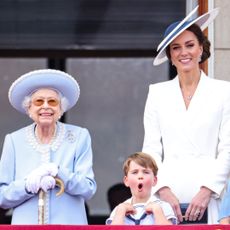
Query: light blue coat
<point>74,158</point>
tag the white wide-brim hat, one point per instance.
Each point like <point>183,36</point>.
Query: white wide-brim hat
<point>28,83</point>
<point>176,28</point>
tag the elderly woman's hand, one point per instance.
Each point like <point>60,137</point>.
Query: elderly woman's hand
<point>47,183</point>
<point>33,180</point>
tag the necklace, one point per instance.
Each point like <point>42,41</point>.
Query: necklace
<point>45,148</point>
<point>187,97</point>
<point>189,89</point>
<point>39,140</point>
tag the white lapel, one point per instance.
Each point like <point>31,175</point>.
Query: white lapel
<point>189,116</point>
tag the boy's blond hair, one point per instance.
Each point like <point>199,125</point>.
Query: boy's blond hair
<point>142,159</point>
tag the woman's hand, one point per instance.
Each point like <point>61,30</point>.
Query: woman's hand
<point>167,195</point>
<point>198,205</point>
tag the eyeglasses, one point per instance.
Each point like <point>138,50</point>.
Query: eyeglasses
<point>40,101</point>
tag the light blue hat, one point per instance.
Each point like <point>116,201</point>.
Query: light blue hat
<point>44,78</point>
<point>176,28</point>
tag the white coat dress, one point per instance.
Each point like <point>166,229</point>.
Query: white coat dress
<point>191,146</point>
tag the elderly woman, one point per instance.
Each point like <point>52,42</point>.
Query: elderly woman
<point>34,156</point>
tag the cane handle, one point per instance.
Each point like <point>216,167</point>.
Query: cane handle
<point>61,185</point>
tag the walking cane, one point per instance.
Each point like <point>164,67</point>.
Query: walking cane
<point>42,197</point>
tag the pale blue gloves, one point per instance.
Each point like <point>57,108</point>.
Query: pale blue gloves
<point>41,178</point>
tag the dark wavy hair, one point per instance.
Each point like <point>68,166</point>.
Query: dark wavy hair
<point>202,39</point>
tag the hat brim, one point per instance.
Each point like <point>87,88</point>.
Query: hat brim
<point>177,27</point>
<point>45,78</point>
<point>202,21</point>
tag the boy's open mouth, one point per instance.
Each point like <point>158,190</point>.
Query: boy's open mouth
<point>140,186</point>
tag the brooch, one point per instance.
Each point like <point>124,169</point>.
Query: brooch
<point>70,136</point>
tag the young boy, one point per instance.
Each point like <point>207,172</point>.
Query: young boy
<point>143,208</point>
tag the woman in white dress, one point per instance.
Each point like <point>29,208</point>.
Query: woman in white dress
<point>187,124</point>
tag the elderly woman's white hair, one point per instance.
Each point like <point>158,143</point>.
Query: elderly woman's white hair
<point>64,103</point>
